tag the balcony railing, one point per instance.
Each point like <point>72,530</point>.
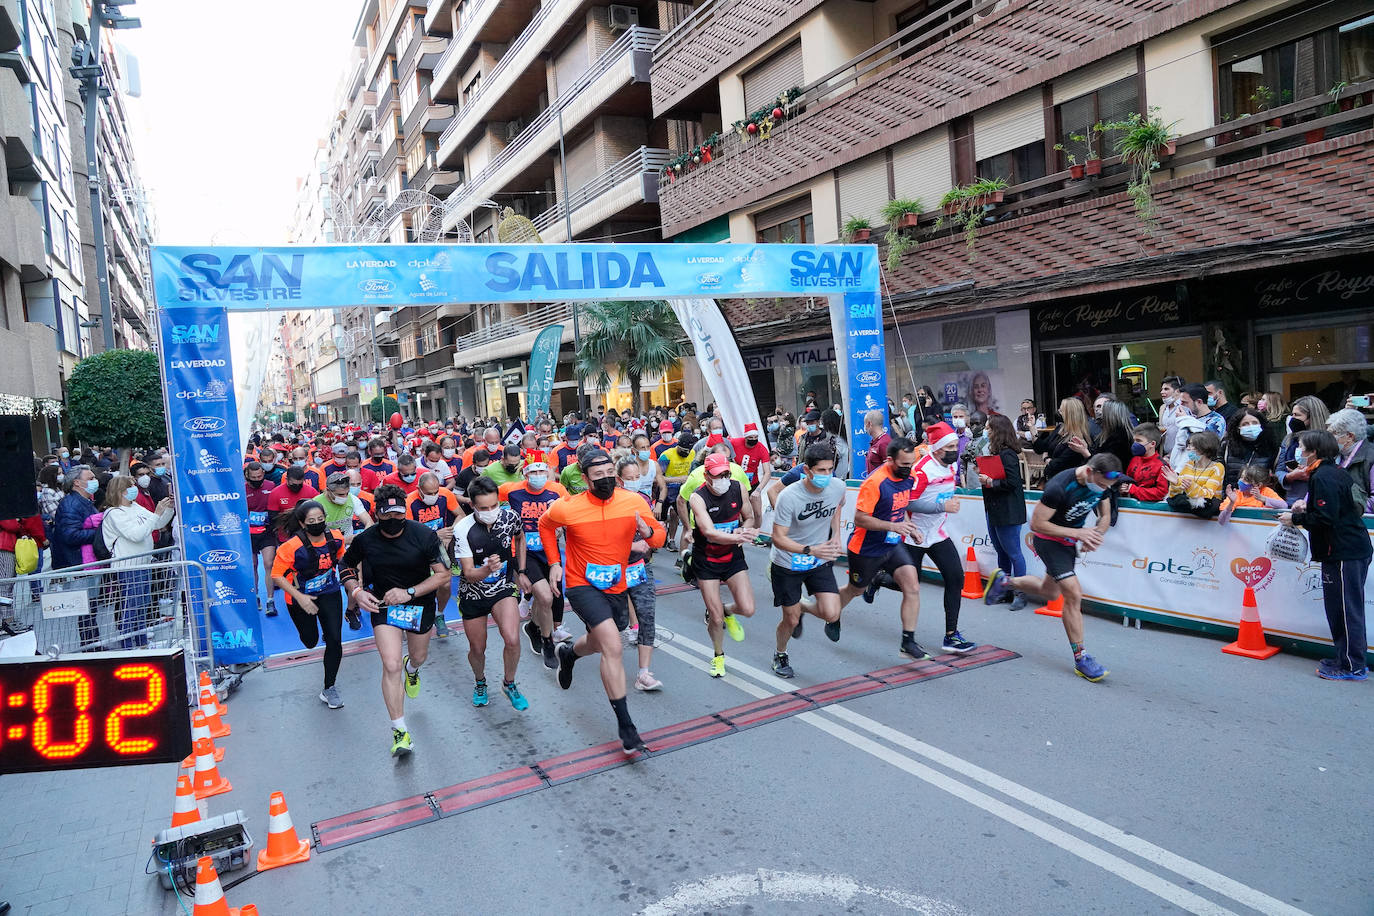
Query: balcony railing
<point>644,161</point>
<point>634,40</point>
<point>384,100</point>
<point>461,39</point>
<point>535,319</point>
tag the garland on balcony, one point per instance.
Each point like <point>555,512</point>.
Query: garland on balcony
<point>760,123</point>
<point>694,157</point>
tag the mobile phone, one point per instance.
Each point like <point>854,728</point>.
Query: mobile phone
<point>1291,465</point>
<point>1360,400</point>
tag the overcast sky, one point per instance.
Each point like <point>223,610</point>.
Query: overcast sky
<point>235,95</point>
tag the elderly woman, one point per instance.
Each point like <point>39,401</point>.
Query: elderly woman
<point>1356,455</point>
<point>128,530</point>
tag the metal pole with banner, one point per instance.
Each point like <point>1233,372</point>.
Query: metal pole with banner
<point>856,320</point>
<point>543,365</point>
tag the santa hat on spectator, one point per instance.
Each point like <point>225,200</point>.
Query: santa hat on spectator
<point>751,429</point>
<point>941,436</point>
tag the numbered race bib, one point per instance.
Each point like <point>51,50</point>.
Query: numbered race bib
<point>497,576</point>
<point>533,541</point>
<point>603,576</point>
<point>727,526</point>
<point>635,574</point>
<point>801,562</point>
<point>257,519</point>
<point>434,524</point>
<point>893,537</point>
<point>405,616</point>
<point>324,582</point>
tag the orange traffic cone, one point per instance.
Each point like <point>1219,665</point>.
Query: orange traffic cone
<point>184,810</point>
<point>283,848</point>
<point>206,684</point>
<point>973,583</point>
<point>209,895</point>
<point>208,780</point>
<point>201,729</point>
<point>210,708</point>
<point>248,909</point>
<point>1250,640</point>
<point>1054,608</point>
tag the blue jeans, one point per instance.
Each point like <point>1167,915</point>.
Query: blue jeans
<point>1006,540</point>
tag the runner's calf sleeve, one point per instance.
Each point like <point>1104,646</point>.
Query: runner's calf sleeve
<point>622,713</point>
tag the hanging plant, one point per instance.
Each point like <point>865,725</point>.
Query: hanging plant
<point>1141,144</point>
<point>967,206</point>
<point>856,229</point>
<point>901,216</point>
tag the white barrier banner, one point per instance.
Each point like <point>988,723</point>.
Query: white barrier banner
<point>1171,565</point>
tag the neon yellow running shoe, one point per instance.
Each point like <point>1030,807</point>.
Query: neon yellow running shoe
<point>400,743</point>
<point>718,666</point>
<point>732,626</point>
<point>412,680</point>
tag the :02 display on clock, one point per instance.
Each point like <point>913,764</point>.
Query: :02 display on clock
<point>97,709</point>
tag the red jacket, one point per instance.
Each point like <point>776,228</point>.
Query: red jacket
<point>11,529</point>
<point>1150,484</point>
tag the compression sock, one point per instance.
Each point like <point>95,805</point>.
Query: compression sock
<point>1077,648</point>
<point>622,713</point>
<point>400,724</point>
<point>908,634</point>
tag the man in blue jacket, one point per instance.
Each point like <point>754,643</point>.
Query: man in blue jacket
<point>68,536</point>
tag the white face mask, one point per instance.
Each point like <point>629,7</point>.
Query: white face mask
<point>144,480</point>
<point>430,498</point>
<point>338,500</point>
<point>488,516</point>
<point>720,486</point>
<point>959,422</point>
<point>448,453</point>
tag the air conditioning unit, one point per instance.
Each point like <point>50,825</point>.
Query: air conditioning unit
<point>623,17</point>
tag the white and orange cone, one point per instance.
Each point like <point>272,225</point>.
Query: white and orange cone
<point>207,684</point>
<point>209,707</point>
<point>201,729</point>
<point>208,780</point>
<point>184,809</point>
<point>209,895</point>
<point>283,847</point>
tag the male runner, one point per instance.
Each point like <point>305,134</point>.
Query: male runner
<point>877,544</point>
<point>665,439</point>
<point>566,452</point>
<point>675,464</point>
<point>264,542</point>
<point>752,455</point>
<point>724,520</point>
<point>1059,524</point>
<point>806,541</point>
<point>487,544</point>
<point>529,501</point>
<point>377,461</point>
<point>393,570</point>
<point>405,475</point>
<point>601,527</point>
<point>437,509</point>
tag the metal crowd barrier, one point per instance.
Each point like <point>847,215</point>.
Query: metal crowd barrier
<point>157,600</point>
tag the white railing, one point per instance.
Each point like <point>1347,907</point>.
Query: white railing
<point>535,319</point>
<point>459,41</point>
<point>644,159</point>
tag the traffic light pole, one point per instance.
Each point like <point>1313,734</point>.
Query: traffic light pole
<point>91,97</point>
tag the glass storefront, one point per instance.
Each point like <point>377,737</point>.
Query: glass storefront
<point>1330,359</point>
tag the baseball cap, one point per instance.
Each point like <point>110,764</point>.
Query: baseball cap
<point>340,448</point>
<point>665,427</point>
<point>716,464</point>
<point>812,415</point>
<point>574,431</point>
<point>337,479</point>
<point>391,505</point>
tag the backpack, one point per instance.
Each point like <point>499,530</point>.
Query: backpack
<point>25,556</point>
<point>100,547</point>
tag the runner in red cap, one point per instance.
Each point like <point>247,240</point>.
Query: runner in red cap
<point>752,455</point>
<point>665,439</point>
<point>724,523</point>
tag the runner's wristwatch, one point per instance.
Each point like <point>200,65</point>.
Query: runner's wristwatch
<point>806,549</point>
<point>410,592</point>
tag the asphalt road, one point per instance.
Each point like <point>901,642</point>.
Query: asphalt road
<point>1188,780</point>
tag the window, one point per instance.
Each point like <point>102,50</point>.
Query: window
<point>1355,42</point>
<point>1113,102</point>
<point>789,222</point>
<point>472,88</point>
<point>780,72</point>
<point>1025,163</point>
<point>1292,58</point>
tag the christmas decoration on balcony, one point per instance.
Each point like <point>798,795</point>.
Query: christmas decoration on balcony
<point>686,162</point>
<point>760,123</point>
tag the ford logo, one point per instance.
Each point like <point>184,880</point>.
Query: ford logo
<point>868,377</point>
<point>203,424</point>
<point>219,557</point>
<point>709,281</point>
<point>375,287</point>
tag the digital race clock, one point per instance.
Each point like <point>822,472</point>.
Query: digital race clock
<point>97,709</point>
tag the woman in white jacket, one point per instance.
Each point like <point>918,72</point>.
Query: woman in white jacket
<point>128,531</point>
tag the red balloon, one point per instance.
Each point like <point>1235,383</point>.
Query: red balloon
<point>397,421</point>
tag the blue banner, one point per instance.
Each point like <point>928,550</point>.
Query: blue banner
<point>864,361</point>
<point>204,439</point>
<point>543,363</point>
<point>329,276</point>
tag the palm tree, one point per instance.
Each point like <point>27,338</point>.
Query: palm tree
<point>637,338</point>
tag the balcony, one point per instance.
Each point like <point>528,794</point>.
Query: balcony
<point>391,156</point>
<point>16,128</point>
<point>886,94</point>
<point>479,13</point>
<point>623,64</point>
<point>385,98</point>
<point>511,336</point>
<point>440,182</point>
<point>360,112</point>
<point>631,181</point>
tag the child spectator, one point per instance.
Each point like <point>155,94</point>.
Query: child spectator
<point>1251,491</point>
<point>1195,488</point>
<point>1146,468</point>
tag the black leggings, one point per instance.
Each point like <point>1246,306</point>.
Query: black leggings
<point>328,621</point>
<point>946,558</point>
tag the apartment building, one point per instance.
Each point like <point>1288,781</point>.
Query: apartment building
<point>1255,266</point>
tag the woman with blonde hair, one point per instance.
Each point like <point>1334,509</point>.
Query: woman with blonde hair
<point>128,532</point>
<point>1309,412</point>
<point>1272,405</point>
<point>1065,446</point>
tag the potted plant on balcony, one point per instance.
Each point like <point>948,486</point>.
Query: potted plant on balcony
<point>967,206</point>
<point>1075,169</point>
<point>1141,143</point>
<point>901,216</point>
<point>856,229</point>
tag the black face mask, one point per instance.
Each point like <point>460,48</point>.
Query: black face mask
<point>391,526</point>
<point>295,485</point>
<point>603,488</point>
<point>510,469</point>
<point>946,458</point>
<point>255,484</point>
<point>901,473</point>
<point>684,452</point>
<point>314,529</point>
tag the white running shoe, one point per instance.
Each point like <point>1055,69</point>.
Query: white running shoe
<point>525,607</point>
<point>560,634</point>
<point>647,681</point>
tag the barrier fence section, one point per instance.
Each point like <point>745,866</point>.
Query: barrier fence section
<point>156,600</point>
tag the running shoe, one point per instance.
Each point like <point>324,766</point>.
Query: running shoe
<point>630,742</point>
<point>271,609</point>
<point>956,643</point>
<point>1018,602</point>
<point>524,607</point>
<point>550,658</point>
<point>412,680</point>
<point>440,626</point>
<point>780,666</point>
<point>560,634</point>
<point>330,697</point>
<point>718,666</point>
<point>1085,666</point>
<point>1328,670</point>
<point>536,638</point>
<point>566,658</point>
<point>914,649</point>
<point>646,681</point>
<point>872,591</point>
<point>628,638</point>
<point>517,699</point>
<point>732,626</point>
<point>479,694</point>
<point>996,588</point>
<point>354,618</point>
<point>832,630</point>
<point>400,743</point>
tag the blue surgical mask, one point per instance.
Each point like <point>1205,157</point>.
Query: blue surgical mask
<point>645,454</point>
<point>821,481</point>
<point>1243,485</point>
<point>407,477</point>
<point>299,462</point>
<point>1192,456</point>
<point>92,486</point>
<point>1211,400</point>
<point>131,493</point>
<point>811,427</point>
<point>354,491</point>
<point>161,472</point>
<point>537,481</point>
<point>1250,432</point>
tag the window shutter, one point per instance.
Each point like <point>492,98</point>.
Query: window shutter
<point>863,188</point>
<point>581,164</point>
<point>921,167</point>
<point>1008,125</point>
<point>573,61</point>
<point>764,83</point>
<point>774,216</point>
<point>1094,76</point>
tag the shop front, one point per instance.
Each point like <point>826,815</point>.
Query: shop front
<point>792,375</point>
<point>982,362</point>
